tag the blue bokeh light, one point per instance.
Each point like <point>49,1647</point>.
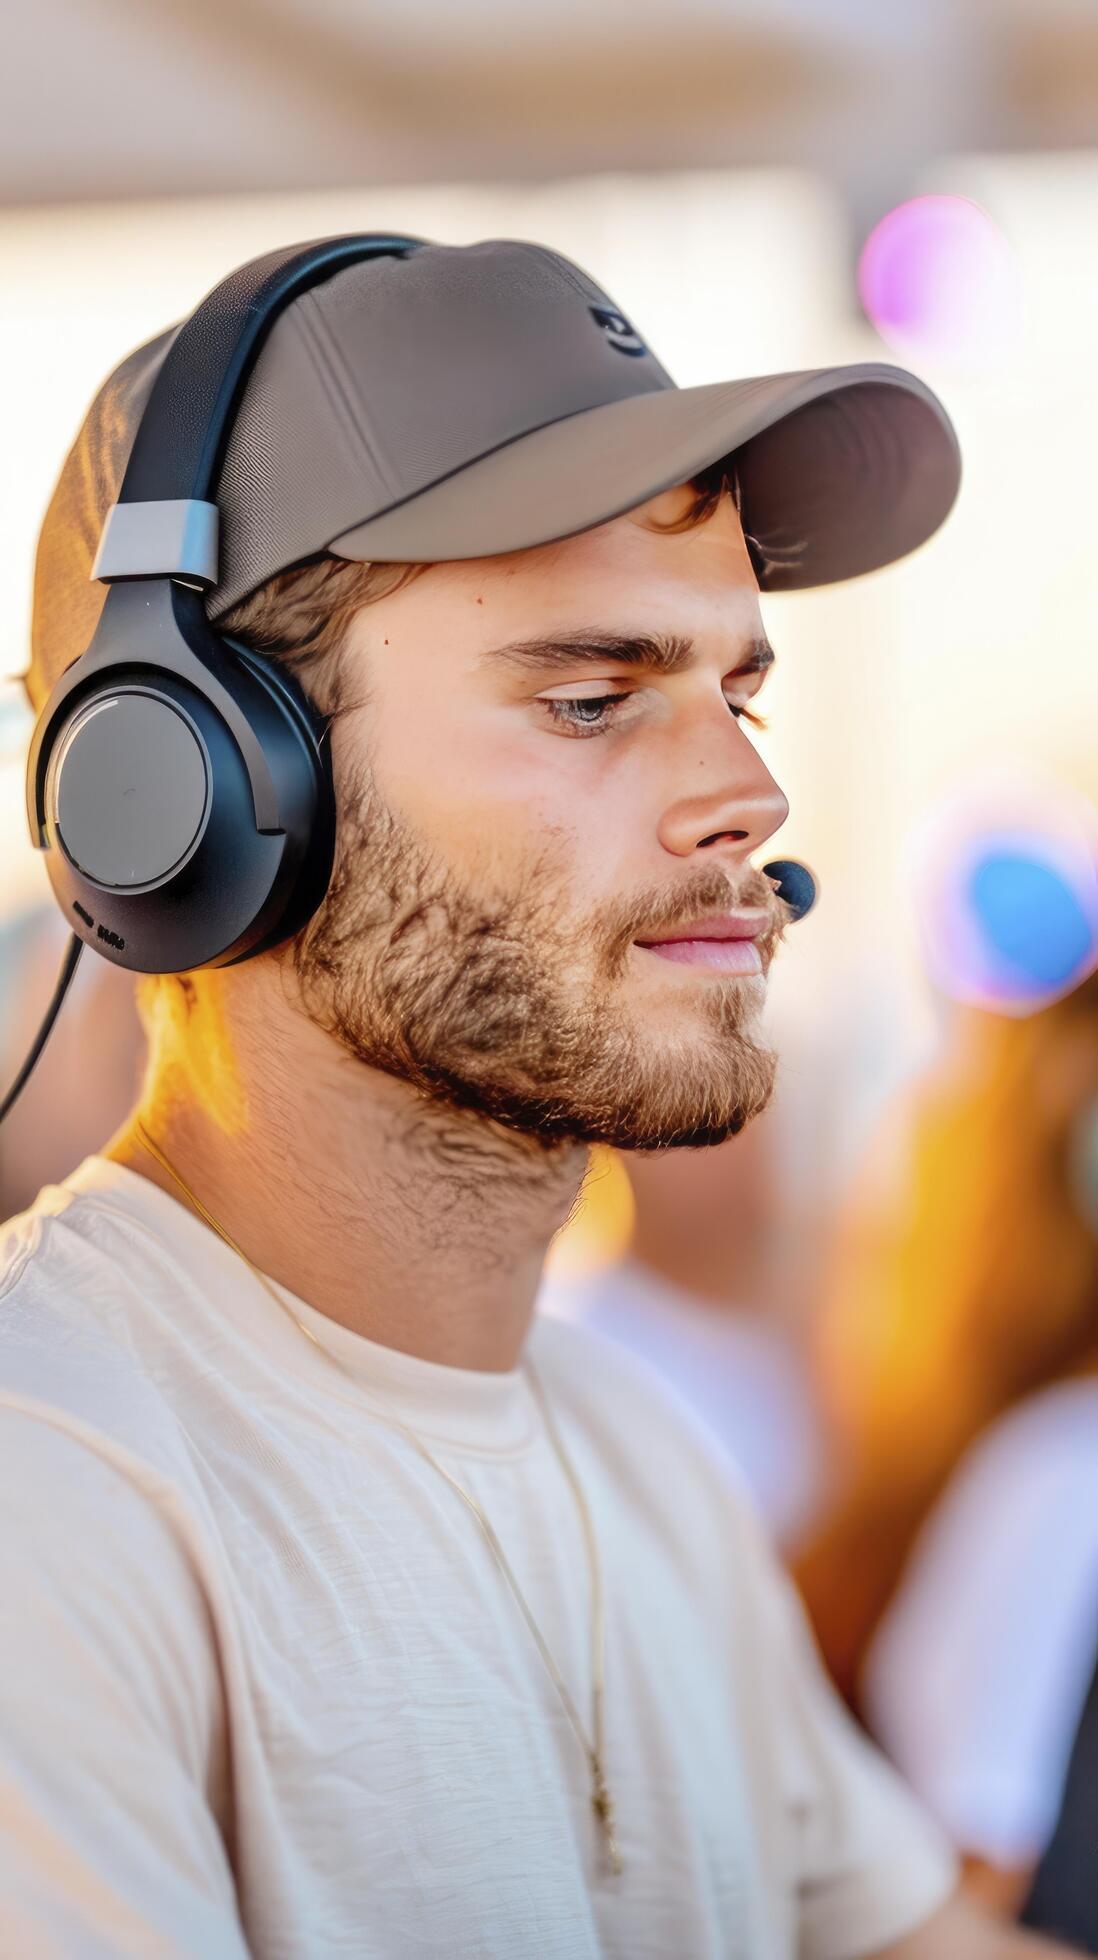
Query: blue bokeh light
<point>1031,918</point>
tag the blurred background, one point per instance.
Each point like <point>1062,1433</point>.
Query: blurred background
<point>871,1295</point>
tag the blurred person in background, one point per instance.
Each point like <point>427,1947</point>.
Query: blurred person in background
<point>89,1071</point>
<point>954,1587</point>
<point>712,1290</point>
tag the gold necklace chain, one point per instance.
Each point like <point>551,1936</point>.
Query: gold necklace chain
<point>593,1749</point>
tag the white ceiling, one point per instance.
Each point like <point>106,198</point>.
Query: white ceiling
<point>142,98</point>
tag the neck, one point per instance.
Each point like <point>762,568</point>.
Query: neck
<point>418,1226</point>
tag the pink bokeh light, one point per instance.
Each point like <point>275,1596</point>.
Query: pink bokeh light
<point>939,281</point>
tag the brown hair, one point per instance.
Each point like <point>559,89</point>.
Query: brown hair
<point>301,616</point>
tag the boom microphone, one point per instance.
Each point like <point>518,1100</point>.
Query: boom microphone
<point>797,888</point>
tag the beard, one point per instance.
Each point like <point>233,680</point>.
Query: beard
<point>513,1008</point>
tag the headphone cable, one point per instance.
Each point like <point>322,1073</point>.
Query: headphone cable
<point>68,968</point>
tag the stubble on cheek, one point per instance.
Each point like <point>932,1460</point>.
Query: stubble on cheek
<point>413,969</point>
<point>514,1004</point>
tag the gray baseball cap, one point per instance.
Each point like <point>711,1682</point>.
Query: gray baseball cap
<point>468,400</point>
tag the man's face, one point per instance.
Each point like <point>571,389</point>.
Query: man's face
<point>527,835</point>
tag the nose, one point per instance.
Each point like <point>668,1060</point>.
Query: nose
<point>733,805</point>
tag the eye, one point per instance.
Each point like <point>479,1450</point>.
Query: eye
<point>584,714</point>
<point>593,714</point>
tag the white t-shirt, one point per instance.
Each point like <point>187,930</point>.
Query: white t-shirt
<point>264,1690</point>
<point>976,1680</point>
<point>737,1371</point>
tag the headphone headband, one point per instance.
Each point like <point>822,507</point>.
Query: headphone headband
<point>164,523</point>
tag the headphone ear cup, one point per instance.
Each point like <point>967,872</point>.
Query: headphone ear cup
<point>152,844</point>
<point>180,787</point>
<point>309,871</point>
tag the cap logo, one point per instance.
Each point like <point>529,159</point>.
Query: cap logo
<point>617,330</point>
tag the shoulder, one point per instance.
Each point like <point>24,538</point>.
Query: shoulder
<point>110,1675</point>
<point>646,1435</point>
<point>1057,1427</point>
<point>1018,1520</point>
<point>79,1514</point>
<point>1037,1466</point>
<point>68,1299</point>
<point>979,1668</point>
<point>102,1519</point>
<point>589,1366</point>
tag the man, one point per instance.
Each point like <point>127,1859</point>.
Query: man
<point>344,1609</point>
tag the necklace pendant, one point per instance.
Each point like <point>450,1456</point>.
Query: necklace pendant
<point>604,1811</point>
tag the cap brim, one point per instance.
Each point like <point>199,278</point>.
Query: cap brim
<point>842,469</point>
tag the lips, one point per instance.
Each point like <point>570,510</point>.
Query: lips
<point>728,925</point>
<point>724,944</point>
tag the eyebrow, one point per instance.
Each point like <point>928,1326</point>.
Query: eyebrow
<point>658,653</point>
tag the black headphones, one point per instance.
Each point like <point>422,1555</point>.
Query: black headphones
<point>178,782</point>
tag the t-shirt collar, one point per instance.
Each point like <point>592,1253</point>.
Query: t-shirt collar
<point>470,1408</point>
